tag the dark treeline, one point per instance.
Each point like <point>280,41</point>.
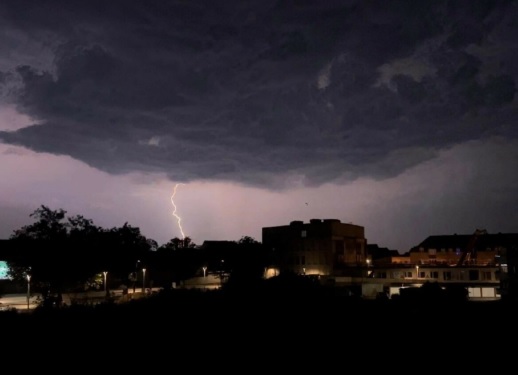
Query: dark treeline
<point>62,253</point>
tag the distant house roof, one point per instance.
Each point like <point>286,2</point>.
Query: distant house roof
<point>377,252</point>
<point>461,241</point>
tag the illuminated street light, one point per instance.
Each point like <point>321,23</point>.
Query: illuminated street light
<point>143,280</point>
<point>28,291</point>
<point>417,271</point>
<point>105,289</point>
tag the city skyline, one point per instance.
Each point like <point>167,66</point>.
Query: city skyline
<point>397,116</point>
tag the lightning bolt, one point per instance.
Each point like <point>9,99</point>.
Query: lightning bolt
<point>178,218</point>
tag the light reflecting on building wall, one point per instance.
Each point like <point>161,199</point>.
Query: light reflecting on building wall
<point>271,272</point>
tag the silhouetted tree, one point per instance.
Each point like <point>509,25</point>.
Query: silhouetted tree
<point>176,260</point>
<point>433,293</point>
<point>39,246</point>
<point>64,254</point>
<point>247,240</point>
<point>456,293</point>
<point>177,243</point>
<point>248,262</point>
<point>49,225</point>
<point>122,248</point>
<point>153,245</point>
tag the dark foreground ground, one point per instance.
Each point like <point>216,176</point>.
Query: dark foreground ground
<point>245,331</point>
<point>185,313</point>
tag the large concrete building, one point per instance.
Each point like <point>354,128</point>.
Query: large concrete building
<point>321,247</point>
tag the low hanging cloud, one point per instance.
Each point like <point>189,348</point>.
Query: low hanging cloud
<point>261,93</point>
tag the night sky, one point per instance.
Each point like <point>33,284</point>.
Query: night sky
<point>399,116</point>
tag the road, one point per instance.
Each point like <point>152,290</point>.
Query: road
<point>19,301</point>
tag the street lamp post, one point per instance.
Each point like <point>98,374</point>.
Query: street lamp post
<point>105,288</point>
<point>143,280</point>
<point>204,271</point>
<point>417,271</point>
<point>28,291</point>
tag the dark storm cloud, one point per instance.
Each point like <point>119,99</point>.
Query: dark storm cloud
<point>246,91</point>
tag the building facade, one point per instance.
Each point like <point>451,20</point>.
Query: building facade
<point>482,263</point>
<point>479,248</point>
<point>339,255</point>
<point>481,282</point>
<point>320,247</point>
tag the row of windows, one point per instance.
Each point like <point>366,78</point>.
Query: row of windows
<point>457,251</point>
<point>321,259</point>
<point>302,260</point>
<point>470,275</point>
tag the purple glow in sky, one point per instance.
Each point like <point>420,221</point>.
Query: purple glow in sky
<point>397,116</point>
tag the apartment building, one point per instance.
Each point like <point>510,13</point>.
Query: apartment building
<point>483,263</point>
<point>320,247</point>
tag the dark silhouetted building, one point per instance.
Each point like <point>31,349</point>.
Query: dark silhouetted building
<point>320,247</point>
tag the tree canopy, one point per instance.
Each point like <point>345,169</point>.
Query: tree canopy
<point>61,252</point>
